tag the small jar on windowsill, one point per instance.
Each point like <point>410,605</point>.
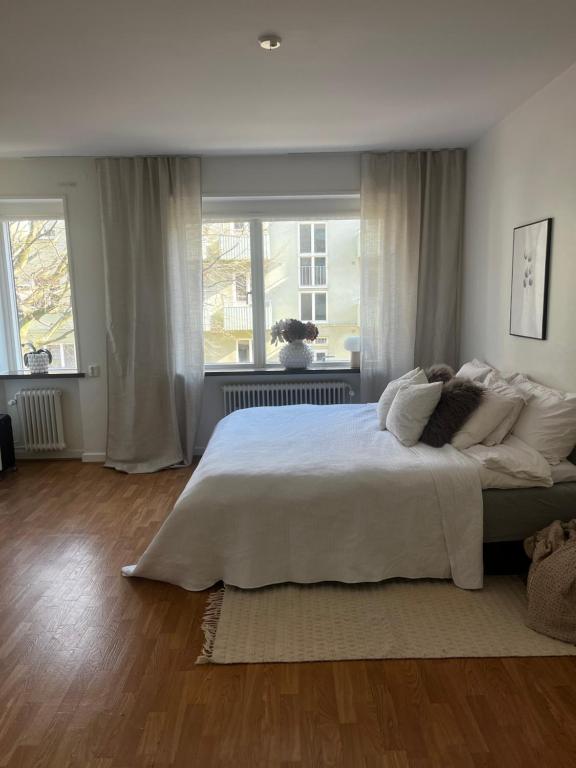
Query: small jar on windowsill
<point>352,344</point>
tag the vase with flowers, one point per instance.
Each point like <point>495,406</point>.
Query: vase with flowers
<point>37,360</point>
<point>295,354</point>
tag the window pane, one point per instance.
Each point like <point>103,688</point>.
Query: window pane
<point>306,270</point>
<point>319,238</point>
<point>320,300</point>
<point>284,287</point>
<point>305,238</point>
<point>320,270</point>
<point>306,306</point>
<point>39,261</point>
<point>227,311</point>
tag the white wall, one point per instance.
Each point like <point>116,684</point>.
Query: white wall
<point>522,170</point>
<point>75,179</point>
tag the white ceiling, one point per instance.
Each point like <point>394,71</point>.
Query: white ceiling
<point>167,76</point>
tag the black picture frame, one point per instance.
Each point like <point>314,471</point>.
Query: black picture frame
<point>531,252</point>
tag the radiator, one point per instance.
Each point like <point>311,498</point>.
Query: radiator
<point>237,396</point>
<point>40,416</point>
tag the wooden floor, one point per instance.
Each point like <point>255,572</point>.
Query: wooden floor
<point>98,671</point>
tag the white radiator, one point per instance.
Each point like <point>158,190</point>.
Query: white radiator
<point>40,416</point>
<point>238,396</point>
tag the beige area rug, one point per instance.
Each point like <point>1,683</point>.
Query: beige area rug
<point>391,620</point>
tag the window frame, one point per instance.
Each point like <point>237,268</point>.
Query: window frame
<point>255,217</point>
<point>30,208</point>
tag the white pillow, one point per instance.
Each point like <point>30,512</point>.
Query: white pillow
<point>411,410</point>
<point>565,472</point>
<point>548,422</point>
<point>475,370</point>
<point>497,384</point>
<point>417,376</point>
<point>512,464</point>
<point>491,412</point>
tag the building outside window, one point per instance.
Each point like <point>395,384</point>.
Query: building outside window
<point>35,287</point>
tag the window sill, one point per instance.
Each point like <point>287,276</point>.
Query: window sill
<point>56,374</point>
<point>279,371</point>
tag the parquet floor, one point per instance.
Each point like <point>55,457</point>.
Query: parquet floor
<point>97,671</point>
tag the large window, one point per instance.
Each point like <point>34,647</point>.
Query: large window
<point>262,270</point>
<point>35,283</point>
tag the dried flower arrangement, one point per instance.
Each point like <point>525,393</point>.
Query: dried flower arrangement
<point>293,330</point>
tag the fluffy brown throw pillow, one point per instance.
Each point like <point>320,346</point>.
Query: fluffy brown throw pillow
<point>439,372</point>
<point>458,401</point>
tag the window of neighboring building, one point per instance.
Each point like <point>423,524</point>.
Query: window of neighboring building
<point>253,276</point>
<point>35,286</point>
<point>312,237</point>
<point>313,307</point>
<point>243,351</point>
<point>312,267</point>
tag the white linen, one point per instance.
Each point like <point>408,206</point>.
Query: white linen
<point>565,472</point>
<point>475,370</point>
<point>548,422</point>
<point>497,384</point>
<point>411,410</point>
<point>318,493</point>
<point>492,411</point>
<point>417,376</point>
<point>512,464</point>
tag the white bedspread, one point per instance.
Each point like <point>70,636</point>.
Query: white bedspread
<point>318,493</point>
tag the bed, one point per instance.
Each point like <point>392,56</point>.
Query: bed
<point>318,493</point>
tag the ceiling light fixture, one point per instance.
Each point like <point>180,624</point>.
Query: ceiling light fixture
<point>270,42</point>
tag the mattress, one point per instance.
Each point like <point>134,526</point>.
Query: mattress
<point>512,515</point>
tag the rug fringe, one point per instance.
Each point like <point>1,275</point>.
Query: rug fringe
<point>210,624</point>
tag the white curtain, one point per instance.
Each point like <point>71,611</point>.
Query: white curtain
<point>152,232</point>
<point>411,234</point>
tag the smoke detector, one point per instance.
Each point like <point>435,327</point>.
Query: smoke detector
<point>270,42</point>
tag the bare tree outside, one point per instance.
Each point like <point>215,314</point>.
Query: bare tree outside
<point>227,288</point>
<point>41,276</point>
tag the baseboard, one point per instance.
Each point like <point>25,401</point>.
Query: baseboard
<point>71,453</point>
<point>93,457</point>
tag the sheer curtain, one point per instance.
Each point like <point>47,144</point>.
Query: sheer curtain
<point>411,233</point>
<point>152,233</point>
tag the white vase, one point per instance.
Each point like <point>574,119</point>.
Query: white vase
<point>295,355</point>
<point>38,362</point>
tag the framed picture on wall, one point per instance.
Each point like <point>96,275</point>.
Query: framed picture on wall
<point>530,268</point>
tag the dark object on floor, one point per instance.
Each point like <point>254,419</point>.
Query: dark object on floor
<point>552,581</point>
<point>7,457</point>
<point>458,401</point>
<point>503,558</point>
